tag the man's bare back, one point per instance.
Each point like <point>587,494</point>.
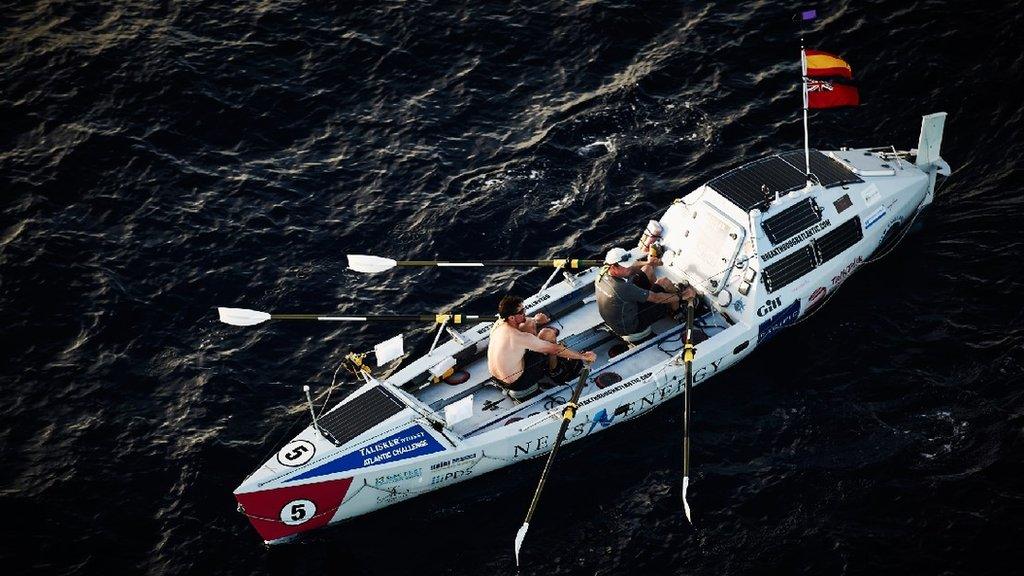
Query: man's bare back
<point>507,347</point>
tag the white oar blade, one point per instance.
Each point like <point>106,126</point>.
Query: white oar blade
<point>242,316</point>
<point>369,264</point>
<point>686,505</point>
<point>519,539</point>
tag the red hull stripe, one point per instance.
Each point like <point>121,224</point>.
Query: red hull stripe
<point>281,512</point>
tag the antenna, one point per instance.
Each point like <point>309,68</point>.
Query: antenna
<point>305,388</point>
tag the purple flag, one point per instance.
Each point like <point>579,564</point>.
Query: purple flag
<point>809,14</point>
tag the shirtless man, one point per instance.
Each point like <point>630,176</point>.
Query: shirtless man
<point>516,356</point>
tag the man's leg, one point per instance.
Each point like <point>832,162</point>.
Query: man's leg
<point>648,271</point>
<point>533,324</point>
<point>668,287</point>
<point>551,336</point>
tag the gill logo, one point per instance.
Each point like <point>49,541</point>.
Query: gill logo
<point>769,306</point>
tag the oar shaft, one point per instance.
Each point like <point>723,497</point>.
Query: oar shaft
<point>688,354</point>
<point>557,263</point>
<point>567,415</point>
<point>438,318</point>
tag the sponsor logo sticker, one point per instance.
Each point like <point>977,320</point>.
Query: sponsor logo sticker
<point>817,297</point>
<point>770,327</point>
<point>845,272</point>
<point>874,218</point>
<point>409,443</point>
<point>769,306</point>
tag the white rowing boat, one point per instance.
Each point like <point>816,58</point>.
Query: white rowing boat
<point>765,246</point>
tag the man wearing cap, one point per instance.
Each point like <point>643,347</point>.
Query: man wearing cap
<point>516,357</point>
<point>630,297</point>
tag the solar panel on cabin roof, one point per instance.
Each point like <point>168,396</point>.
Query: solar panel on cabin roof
<point>782,173</point>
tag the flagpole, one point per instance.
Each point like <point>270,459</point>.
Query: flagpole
<point>807,146</point>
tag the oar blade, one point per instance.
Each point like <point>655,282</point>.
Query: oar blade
<point>686,505</point>
<point>370,264</point>
<point>242,316</point>
<point>520,536</point>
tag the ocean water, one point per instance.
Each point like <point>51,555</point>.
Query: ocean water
<point>159,159</point>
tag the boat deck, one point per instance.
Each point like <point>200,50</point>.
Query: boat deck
<point>580,329</point>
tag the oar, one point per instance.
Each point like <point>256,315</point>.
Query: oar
<point>371,264</point>
<point>688,353</point>
<point>246,317</point>
<point>567,415</point>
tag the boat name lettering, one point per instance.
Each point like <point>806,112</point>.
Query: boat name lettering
<point>702,372</point>
<point>531,446</point>
<point>796,240</point>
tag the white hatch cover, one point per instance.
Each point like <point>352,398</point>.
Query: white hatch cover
<point>709,246</point>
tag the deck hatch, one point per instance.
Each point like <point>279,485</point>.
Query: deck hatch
<point>839,239</point>
<point>787,223</point>
<point>788,269</point>
<point>362,413</point>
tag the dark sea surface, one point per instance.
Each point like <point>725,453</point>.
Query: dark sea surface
<point>159,159</point>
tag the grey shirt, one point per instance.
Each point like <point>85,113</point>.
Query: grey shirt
<point>617,300</point>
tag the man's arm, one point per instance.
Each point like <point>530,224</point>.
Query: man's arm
<point>534,343</point>
<point>663,297</point>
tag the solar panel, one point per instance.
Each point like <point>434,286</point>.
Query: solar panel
<point>787,223</point>
<point>839,239</point>
<point>743,186</point>
<point>788,269</point>
<point>829,172</point>
<point>778,173</point>
<point>359,415</point>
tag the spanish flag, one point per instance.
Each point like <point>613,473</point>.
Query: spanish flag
<point>825,65</point>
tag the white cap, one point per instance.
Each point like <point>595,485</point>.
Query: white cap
<point>619,256</point>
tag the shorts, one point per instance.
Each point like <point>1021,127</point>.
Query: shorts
<point>535,367</point>
<point>648,313</point>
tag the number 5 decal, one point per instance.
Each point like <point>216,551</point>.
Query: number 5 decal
<point>296,453</point>
<point>298,512</point>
